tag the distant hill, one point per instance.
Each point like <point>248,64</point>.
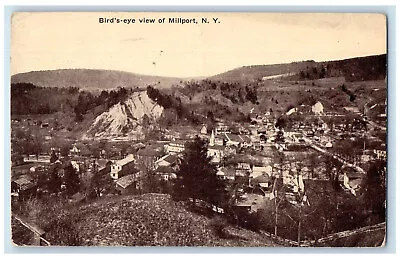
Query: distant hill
<point>145,220</point>
<point>252,73</point>
<point>353,69</point>
<point>91,79</point>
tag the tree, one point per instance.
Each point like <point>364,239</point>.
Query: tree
<point>278,193</point>
<point>53,157</point>
<point>374,194</point>
<point>210,121</point>
<point>27,143</point>
<point>168,117</point>
<point>53,183</point>
<point>197,177</point>
<point>280,138</point>
<point>71,179</point>
<point>65,149</point>
<point>281,123</point>
<point>332,171</point>
<point>80,108</point>
<point>302,75</point>
<point>149,177</point>
<point>99,182</point>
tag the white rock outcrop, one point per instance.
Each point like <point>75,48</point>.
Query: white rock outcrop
<point>125,119</point>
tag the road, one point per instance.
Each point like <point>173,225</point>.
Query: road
<point>322,150</point>
<point>366,119</point>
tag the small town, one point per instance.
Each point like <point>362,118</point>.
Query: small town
<point>289,154</point>
<point>260,163</point>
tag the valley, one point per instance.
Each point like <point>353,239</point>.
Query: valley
<point>276,142</point>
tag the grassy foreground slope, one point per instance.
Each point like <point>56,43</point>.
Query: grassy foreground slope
<point>149,220</point>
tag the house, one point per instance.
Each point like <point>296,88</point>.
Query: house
<point>56,150</point>
<point>226,173</point>
<point>366,155</point>
<point>216,153</point>
<point>148,156</point>
<point>203,130</point>
<point>165,173</point>
<point>382,115</point>
<point>251,202</point>
<point>318,108</point>
<point>246,141</point>
<point>175,147</point>
<point>118,166</point>
<point>74,150</point>
<point>167,160</point>
<point>380,154</point>
<point>261,170</point>
<point>232,139</point>
<point>44,125</point>
<point>214,140</point>
<point>243,166</point>
<point>244,130</point>
<point>351,180</point>
<point>295,137</point>
<point>263,181</point>
<point>242,169</point>
<point>102,163</point>
<point>75,165</point>
<point>23,187</point>
<point>256,144</point>
<point>291,111</point>
<point>221,128</point>
<point>128,184</point>
<point>253,131</point>
<point>218,141</point>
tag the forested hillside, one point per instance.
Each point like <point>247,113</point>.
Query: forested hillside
<point>353,69</point>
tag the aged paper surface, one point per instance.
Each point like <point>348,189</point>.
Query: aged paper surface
<point>198,129</point>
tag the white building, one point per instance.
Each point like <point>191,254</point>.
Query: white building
<point>117,165</point>
<point>217,152</point>
<point>261,170</point>
<point>175,147</point>
<point>318,108</point>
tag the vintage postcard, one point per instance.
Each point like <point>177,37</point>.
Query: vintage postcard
<point>198,129</point>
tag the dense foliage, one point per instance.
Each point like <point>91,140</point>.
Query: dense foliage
<point>27,98</point>
<point>197,177</point>
<point>355,69</point>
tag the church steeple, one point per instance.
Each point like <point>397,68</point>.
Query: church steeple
<point>212,139</point>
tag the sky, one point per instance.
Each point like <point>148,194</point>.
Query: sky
<point>47,41</point>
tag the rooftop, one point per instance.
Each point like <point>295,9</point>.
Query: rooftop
<point>125,160</point>
<point>127,180</point>
<point>227,171</point>
<point>148,151</point>
<point>171,159</point>
<point>233,137</point>
<point>165,170</point>
<point>216,147</point>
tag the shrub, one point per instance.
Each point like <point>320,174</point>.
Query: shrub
<point>219,224</point>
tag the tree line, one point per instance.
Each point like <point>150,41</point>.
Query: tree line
<point>27,98</point>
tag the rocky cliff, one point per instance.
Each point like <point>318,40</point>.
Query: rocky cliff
<point>126,119</point>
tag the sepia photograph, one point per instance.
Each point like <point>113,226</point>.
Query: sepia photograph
<point>189,129</point>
